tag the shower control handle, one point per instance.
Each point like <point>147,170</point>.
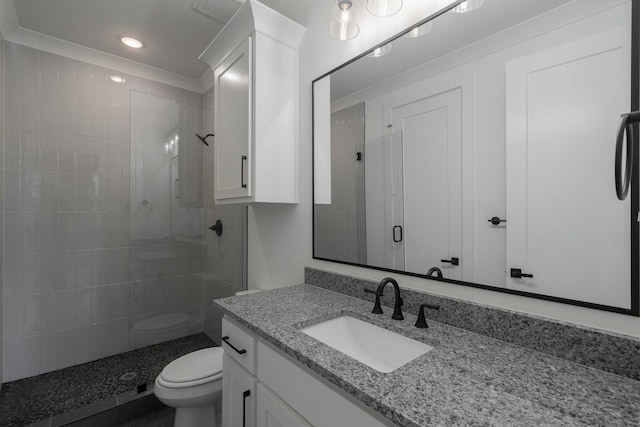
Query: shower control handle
<point>239,351</point>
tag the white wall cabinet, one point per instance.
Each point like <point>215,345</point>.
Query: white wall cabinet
<point>282,393</point>
<point>255,63</point>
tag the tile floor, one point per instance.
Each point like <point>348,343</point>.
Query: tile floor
<point>38,398</point>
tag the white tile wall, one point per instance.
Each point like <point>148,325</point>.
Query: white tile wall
<point>65,210</point>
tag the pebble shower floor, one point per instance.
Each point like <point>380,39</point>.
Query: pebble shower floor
<point>33,399</point>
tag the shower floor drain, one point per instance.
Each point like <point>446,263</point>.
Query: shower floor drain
<point>128,376</point>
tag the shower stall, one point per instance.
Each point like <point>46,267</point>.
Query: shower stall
<point>106,209</point>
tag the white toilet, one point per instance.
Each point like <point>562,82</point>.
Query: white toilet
<point>193,385</point>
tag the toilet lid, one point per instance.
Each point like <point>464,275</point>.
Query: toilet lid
<point>194,366</point>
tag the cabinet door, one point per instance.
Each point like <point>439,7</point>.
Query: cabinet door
<point>233,124</point>
<point>238,395</point>
<point>273,412</point>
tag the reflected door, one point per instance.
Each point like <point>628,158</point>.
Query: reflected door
<point>432,141</point>
<point>566,227</point>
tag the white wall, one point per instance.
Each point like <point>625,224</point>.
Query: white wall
<point>280,237</point>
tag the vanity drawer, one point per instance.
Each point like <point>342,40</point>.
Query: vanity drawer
<point>239,343</point>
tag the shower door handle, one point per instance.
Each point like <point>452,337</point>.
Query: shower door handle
<point>397,228</point>
<point>625,125</point>
<point>246,394</point>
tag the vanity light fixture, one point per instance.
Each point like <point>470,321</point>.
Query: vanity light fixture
<point>420,30</point>
<point>343,25</point>
<point>467,6</point>
<point>117,79</point>
<point>380,51</point>
<point>131,42</point>
<point>384,8</point>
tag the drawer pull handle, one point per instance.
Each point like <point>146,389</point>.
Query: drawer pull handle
<point>245,394</point>
<point>226,339</point>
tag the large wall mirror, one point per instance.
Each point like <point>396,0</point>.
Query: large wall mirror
<point>479,150</point>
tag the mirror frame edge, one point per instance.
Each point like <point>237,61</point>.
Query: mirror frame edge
<point>634,309</point>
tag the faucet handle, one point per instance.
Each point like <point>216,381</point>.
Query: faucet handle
<point>422,322</point>
<point>377,309</point>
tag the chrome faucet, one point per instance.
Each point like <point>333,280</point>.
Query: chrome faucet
<point>397,310</point>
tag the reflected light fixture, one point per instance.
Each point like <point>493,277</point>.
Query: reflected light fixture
<point>467,6</point>
<point>420,30</point>
<point>117,79</point>
<point>380,51</point>
<point>384,8</point>
<point>131,42</point>
<point>343,25</point>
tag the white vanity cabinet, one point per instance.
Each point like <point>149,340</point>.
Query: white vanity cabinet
<point>266,388</point>
<point>255,63</point>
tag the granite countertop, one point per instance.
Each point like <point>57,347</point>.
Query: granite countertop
<point>466,379</point>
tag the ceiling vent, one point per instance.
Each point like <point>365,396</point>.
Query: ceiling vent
<point>220,10</point>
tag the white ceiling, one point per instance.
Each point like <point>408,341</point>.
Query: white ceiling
<point>174,34</point>
<point>449,32</point>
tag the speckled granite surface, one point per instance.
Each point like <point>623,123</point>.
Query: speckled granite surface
<point>608,352</point>
<point>466,379</point>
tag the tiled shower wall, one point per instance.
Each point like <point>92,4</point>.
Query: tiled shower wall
<point>66,284</point>
<point>339,226</point>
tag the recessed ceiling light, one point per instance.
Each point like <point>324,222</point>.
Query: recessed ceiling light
<point>117,79</point>
<point>131,42</point>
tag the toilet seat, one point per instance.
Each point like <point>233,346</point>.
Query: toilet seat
<point>193,369</point>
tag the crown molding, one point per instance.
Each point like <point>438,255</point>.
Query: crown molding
<point>95,57</point>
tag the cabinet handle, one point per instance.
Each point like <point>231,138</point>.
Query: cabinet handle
<point>397,227</point>
<point>246,394</point>
<point>176,188</point>
<point>242,184</point>
<point>226,339</point>
<point>517,273</point>
<point>452,261</point>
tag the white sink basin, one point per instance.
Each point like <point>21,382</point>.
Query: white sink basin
<point>379,348</point>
